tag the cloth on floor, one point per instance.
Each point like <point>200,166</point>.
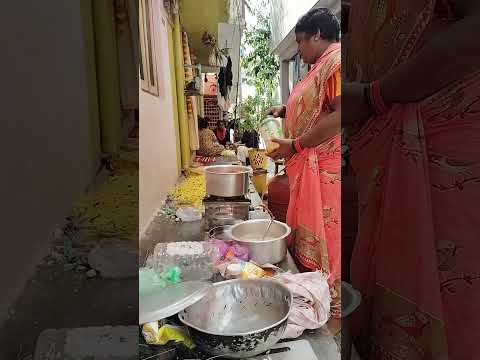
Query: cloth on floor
<point>311,301</point>
<point>205,159</point>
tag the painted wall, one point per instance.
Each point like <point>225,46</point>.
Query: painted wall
<point>158,147</point>
<point>49,143</point>
<point>197,18</point>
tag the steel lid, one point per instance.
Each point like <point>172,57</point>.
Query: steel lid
<point>170,300</point>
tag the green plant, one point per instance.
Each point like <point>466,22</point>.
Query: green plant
<point>252,113</point>
<point>260,64</point>
<point>261,70</point>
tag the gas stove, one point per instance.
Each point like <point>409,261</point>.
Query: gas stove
<point>290,350</point>
<point>220,211</point>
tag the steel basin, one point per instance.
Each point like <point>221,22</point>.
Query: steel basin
<point>227,180</point>
<point>239,318</point>
<point>272,250</point>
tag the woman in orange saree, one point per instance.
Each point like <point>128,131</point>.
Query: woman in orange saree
<point>313,167</point>
<point>416,161</point>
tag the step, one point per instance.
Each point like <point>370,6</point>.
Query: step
<point>88,343</point>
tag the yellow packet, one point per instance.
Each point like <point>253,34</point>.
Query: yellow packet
<point>160,336</point>
<point>252,271</point>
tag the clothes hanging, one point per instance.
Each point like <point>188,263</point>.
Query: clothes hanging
<point>225,79</point>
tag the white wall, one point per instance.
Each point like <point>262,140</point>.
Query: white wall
<point>158,157</point>
<point>47,137</point>
<point>229,36</point>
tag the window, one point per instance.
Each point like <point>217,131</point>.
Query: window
<point>148,65</point>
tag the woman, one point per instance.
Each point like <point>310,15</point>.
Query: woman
<point>221,133</point>
<point>208,141</point>
<point>312,150</point>
<point>414,109</point>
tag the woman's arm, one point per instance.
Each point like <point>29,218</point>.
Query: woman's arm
<point>319,133</point>
<point>452,55</point>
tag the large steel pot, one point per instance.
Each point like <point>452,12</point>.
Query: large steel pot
<point>227,180</point>
<point>272,250</point>
<point>239,318</point>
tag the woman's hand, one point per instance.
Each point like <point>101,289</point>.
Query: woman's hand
<point>284,149</point>
<point>357,111</point>
<point>277,111</point>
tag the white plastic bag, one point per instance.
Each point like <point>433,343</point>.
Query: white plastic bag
<point>188,214</point>
<point>311,302</point>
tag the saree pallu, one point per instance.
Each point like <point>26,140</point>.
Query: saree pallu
<point>315,177</point>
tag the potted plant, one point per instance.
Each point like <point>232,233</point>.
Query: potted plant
<point>218,57</point>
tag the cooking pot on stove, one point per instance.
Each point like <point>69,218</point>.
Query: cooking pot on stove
<point>227,180</point>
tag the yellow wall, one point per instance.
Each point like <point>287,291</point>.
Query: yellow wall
<point>198,16</point>
<point>181,100</point>
<point>171,57</point>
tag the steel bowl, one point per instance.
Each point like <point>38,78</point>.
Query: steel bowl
<point>227,180</point>
<point>239,318</point>
<point>272,250</point>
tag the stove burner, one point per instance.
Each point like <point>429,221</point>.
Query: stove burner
<point>213,198</point>
<point>220,211</point>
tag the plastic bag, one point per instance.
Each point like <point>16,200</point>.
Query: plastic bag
<point>150,280</point>
<point>240,252</point>
<point>228,251</point>
<point>155,335</point>
<point>189,214</point>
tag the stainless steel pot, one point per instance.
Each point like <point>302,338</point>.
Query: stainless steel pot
<point>272,250</point>
<point>227,180</point>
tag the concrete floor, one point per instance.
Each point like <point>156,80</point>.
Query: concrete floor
<point>56,299</point>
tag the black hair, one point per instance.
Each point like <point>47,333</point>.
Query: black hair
<point>221,122</point>
<point>319,19</point>
<point>202,122</point>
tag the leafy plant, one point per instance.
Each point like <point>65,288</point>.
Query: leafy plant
<point>261,68</point>
<point>252,113</point>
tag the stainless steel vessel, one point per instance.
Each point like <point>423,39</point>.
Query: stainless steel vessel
<point>227,180</point>
<point>272,250</point>
<point>239,318</point>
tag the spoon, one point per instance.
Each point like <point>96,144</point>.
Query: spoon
<point>272,218</point>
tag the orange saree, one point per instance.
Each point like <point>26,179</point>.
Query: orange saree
<point>417,171</point>
<point>314,175</point>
